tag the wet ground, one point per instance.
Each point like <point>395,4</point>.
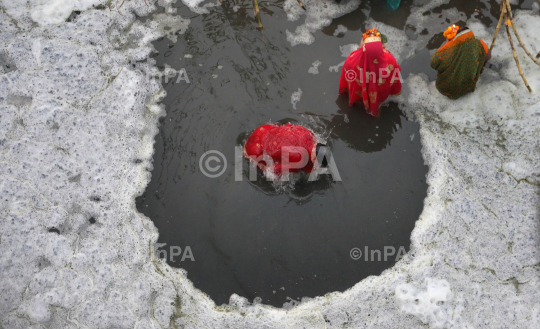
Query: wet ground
<point>250,238</point>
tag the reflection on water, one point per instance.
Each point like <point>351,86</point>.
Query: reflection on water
<point>362,131</point>
<point>257,239</point>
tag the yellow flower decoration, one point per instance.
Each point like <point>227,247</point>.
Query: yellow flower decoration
<point>371,33</point>
<point>451,32</point>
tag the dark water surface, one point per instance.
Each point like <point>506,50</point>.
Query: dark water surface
<point>247,237</point>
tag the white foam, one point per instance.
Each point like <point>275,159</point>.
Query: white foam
<point>171,25</point>
<point>57,11</point>
<point>319,13</point>
<point>293,10</point>
<point>346,50</point>
<point>77,120</point>
<point>434,306</point>
<point>314,69</point>
<point>340,30</point>
<point>295,97</point>
<point>195,6</point>
<point>336,68</point>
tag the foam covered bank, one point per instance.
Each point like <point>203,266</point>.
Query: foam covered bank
<point>77,123</point>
